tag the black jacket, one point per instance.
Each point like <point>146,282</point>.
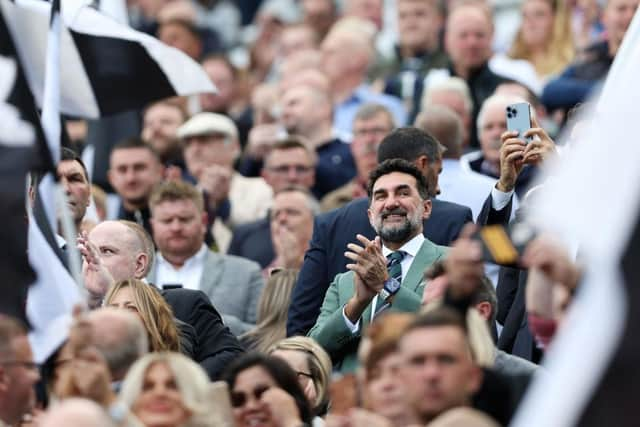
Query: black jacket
<point>216,346</point>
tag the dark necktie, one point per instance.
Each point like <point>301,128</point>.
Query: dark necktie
<point>394,268</point>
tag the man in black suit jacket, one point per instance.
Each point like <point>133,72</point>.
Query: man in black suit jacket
<point>215,345</point>
<point>334,230</point>
<point>515,155</point>
<point>253,241</point>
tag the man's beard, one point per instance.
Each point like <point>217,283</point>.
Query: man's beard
<point>397,233</point>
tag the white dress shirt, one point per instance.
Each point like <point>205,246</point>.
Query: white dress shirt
<point>188,275</point>
<point>411,249</point>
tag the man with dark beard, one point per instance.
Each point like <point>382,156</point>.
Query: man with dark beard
<point>385,273</point>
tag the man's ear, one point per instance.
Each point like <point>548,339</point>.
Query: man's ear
<point>371,217</point>
<point>427,208</point>
<point>484,308</point>
<point>422,163</point>
<point>142,262</point>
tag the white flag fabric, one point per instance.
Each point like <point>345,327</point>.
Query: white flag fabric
<point>595,198</point>
<point>107,67</point>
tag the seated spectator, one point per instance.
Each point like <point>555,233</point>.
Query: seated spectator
<point>431,387</point>
<point>265,389</point>
<point>465,187</point>
<point>452,93</point>
<point>383,391</point>
<point>371,124</point>
<point>182,35</point>
<point>154,312</point>
<point>312,366</point>
<point>492,123</point>
<point>288,164</point>
<point>229,100</point>
<point>307,114</point>
<point>210,150</point>
<point>167,389</point>
<point>545,37</point>
<point>347,52</point>
<point>551,283</point>
<point>272,312</point>
<point>134,169</point>
<point>579,79</point>
<point>179,225</point>
<point>122,250</point>
<point>160,122</point>
<point>383,270</point>
<point>417,52</point>
<point>18,372</point>
<point>470,59</point>
<point>291,227</point>
<point>461,283</point>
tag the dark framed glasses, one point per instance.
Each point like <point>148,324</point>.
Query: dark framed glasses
<point>240,398</point>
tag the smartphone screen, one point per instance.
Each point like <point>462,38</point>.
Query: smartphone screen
<point>519,119</point>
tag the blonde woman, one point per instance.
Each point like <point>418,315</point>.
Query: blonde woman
<point>545,37</point>
<point>167,389</point>
<point>312,366</point>
<point>272,311</point>
<point>147,303</point>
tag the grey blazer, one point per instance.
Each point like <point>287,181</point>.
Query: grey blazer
<point>234,285</point>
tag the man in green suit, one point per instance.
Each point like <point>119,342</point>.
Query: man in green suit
<point>386,273</point>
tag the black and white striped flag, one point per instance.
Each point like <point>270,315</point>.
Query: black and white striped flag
<point>107,67</point>
<point>592,374</point>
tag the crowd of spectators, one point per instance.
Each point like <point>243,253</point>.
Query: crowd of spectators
<point>301,247</point>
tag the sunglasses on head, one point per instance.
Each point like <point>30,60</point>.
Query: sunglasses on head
<point>240,398</point>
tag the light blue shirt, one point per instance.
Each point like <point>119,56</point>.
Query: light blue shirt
<point>345,112</point>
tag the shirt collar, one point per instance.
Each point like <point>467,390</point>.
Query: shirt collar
<point>411,247</point>
<point>197,258</point>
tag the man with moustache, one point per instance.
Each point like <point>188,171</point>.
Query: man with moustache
<point>385,273</point>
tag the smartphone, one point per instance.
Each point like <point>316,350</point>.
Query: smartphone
<point>519,119</point>
<point>220,404</point>
<point>344,394</point>
<point>504,246</point>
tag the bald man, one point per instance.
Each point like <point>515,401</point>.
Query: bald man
<point>307,113</point>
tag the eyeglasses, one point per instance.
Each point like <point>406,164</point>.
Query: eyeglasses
<point>284,169</point>
<point>32,366</point>
<point>239,398</point>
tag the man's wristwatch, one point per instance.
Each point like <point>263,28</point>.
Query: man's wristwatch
<point>391,287</point>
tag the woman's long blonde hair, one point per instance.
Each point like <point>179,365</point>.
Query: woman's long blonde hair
<point>560,49</point>
<point>154,311</point>
<point>272,310</point>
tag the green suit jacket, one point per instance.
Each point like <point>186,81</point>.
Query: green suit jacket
<point>331,331</point>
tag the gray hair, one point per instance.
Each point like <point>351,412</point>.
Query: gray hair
<point>120,337</point>
<point>312,202</point>
<point>370,110</point>
<point>453,85</point>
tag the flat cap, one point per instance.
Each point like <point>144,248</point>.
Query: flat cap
<point>207,124</point>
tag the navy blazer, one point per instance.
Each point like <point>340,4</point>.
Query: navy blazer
<point>253,241</point>
<point>332,231</point>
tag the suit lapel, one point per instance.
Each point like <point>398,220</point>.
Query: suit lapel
<point>211,273</point>
<point>424,258</point>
